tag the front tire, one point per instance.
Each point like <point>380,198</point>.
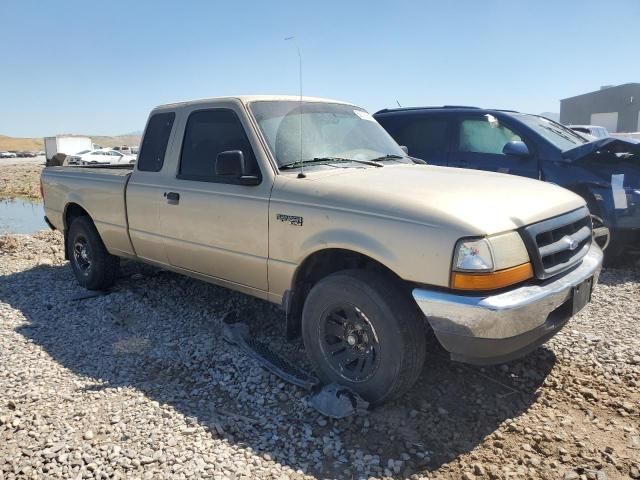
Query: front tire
<point>93,266</point>
<point>362,330</point>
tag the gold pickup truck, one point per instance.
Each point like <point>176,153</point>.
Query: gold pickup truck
<point>309,203</point>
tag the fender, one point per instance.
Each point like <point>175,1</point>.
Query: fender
<point>72,198</point>
<point>358,242</point>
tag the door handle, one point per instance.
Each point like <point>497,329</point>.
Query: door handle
<point>173,198</point>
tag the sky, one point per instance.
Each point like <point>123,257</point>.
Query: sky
<point>97,68</point>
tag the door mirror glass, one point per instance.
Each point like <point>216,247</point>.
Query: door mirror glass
<point>516,148</point>
<point>405,149</point>
<point>230,163</point>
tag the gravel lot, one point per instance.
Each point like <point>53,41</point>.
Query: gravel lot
<point>139,384</point>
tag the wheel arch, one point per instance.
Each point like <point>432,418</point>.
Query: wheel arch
<point>585,190</point>
<point>72,210</point>
<point>318,265</point>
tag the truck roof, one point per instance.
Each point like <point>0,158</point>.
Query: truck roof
<point>252,98</point>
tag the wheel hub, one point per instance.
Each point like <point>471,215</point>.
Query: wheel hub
<point>81,255</point>
<point>349,343</point>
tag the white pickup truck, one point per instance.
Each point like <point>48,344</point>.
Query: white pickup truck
<point>364,247</point>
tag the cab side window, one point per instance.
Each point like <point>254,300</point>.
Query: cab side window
<point>155,141</point>
<point>208,133</point>
<point>484,135</point>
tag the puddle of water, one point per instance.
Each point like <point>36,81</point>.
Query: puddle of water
<point>21,216</point>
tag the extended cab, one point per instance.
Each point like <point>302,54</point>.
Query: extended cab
<point>362,246</point>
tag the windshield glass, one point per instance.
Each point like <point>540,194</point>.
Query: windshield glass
<point>329,130</point>
<point>562,137</point>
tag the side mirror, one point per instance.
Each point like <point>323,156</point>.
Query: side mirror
<point>405,149</point>
<point>231,164</point>
<point>516,148</point>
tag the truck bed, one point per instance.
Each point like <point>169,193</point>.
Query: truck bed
<point>101,192</point>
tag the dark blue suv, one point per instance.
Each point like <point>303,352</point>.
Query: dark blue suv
<point>605,172</point>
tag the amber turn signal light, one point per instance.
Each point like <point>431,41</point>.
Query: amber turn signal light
<point>491,280</point>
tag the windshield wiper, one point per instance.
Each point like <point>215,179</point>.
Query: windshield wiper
<point>387,157</point>
<point>560,133</point>
<point>397,158</point>
<point>328,160</point>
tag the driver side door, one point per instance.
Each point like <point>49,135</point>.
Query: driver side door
<point>215,225</point>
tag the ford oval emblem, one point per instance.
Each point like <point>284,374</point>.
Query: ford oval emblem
<point>571,243</point>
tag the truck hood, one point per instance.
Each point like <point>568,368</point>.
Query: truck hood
<point>609,144</point>
<point>472,201</point>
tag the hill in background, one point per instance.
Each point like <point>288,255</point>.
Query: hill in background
<point>14,143</point>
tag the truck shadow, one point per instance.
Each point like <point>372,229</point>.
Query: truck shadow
<point>161,334</point>
<point>618,275</point>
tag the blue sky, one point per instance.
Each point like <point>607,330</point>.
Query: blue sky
<point>98,67</point>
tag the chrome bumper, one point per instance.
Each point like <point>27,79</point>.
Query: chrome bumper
<point>492,329</point>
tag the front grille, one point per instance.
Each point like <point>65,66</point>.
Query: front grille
<point>557,244</point>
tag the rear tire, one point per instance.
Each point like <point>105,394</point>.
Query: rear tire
<point>362,330</point>
<point>93,266</point>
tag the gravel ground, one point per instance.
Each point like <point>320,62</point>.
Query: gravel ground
<point>139,384</point>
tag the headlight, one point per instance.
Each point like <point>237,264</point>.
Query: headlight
<point>490,262</point>
<point>473,255</point>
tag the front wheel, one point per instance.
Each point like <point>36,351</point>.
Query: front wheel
<point>93,266</point>
<point>601,233</point>
<point>361,330</point>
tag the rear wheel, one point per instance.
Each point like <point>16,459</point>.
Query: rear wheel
<point>361,330</point>
<point>93,266</point>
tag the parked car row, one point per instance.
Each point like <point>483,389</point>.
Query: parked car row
<point>126,149</point>
<point>102,156</point>
<point>591,132</point>
<point>310,204</point>
<point>20,154</point>
<point>78,150</point>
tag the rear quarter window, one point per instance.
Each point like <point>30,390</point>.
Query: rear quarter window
<point>155,141</point>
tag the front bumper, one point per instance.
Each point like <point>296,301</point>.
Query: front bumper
<point>497,328</point>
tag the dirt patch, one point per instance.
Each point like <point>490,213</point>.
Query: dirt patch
<point>20,181</point>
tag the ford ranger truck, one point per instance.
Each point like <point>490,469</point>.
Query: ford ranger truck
<point>311,205</point>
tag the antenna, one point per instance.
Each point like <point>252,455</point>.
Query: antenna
<point>398,103</point>
<point>301,174</point>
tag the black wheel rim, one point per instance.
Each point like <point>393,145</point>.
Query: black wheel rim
<point>601,234</point>
<point>349,343</point>
<point>82,255</point>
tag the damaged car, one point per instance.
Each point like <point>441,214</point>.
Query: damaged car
<point>605,172</point>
